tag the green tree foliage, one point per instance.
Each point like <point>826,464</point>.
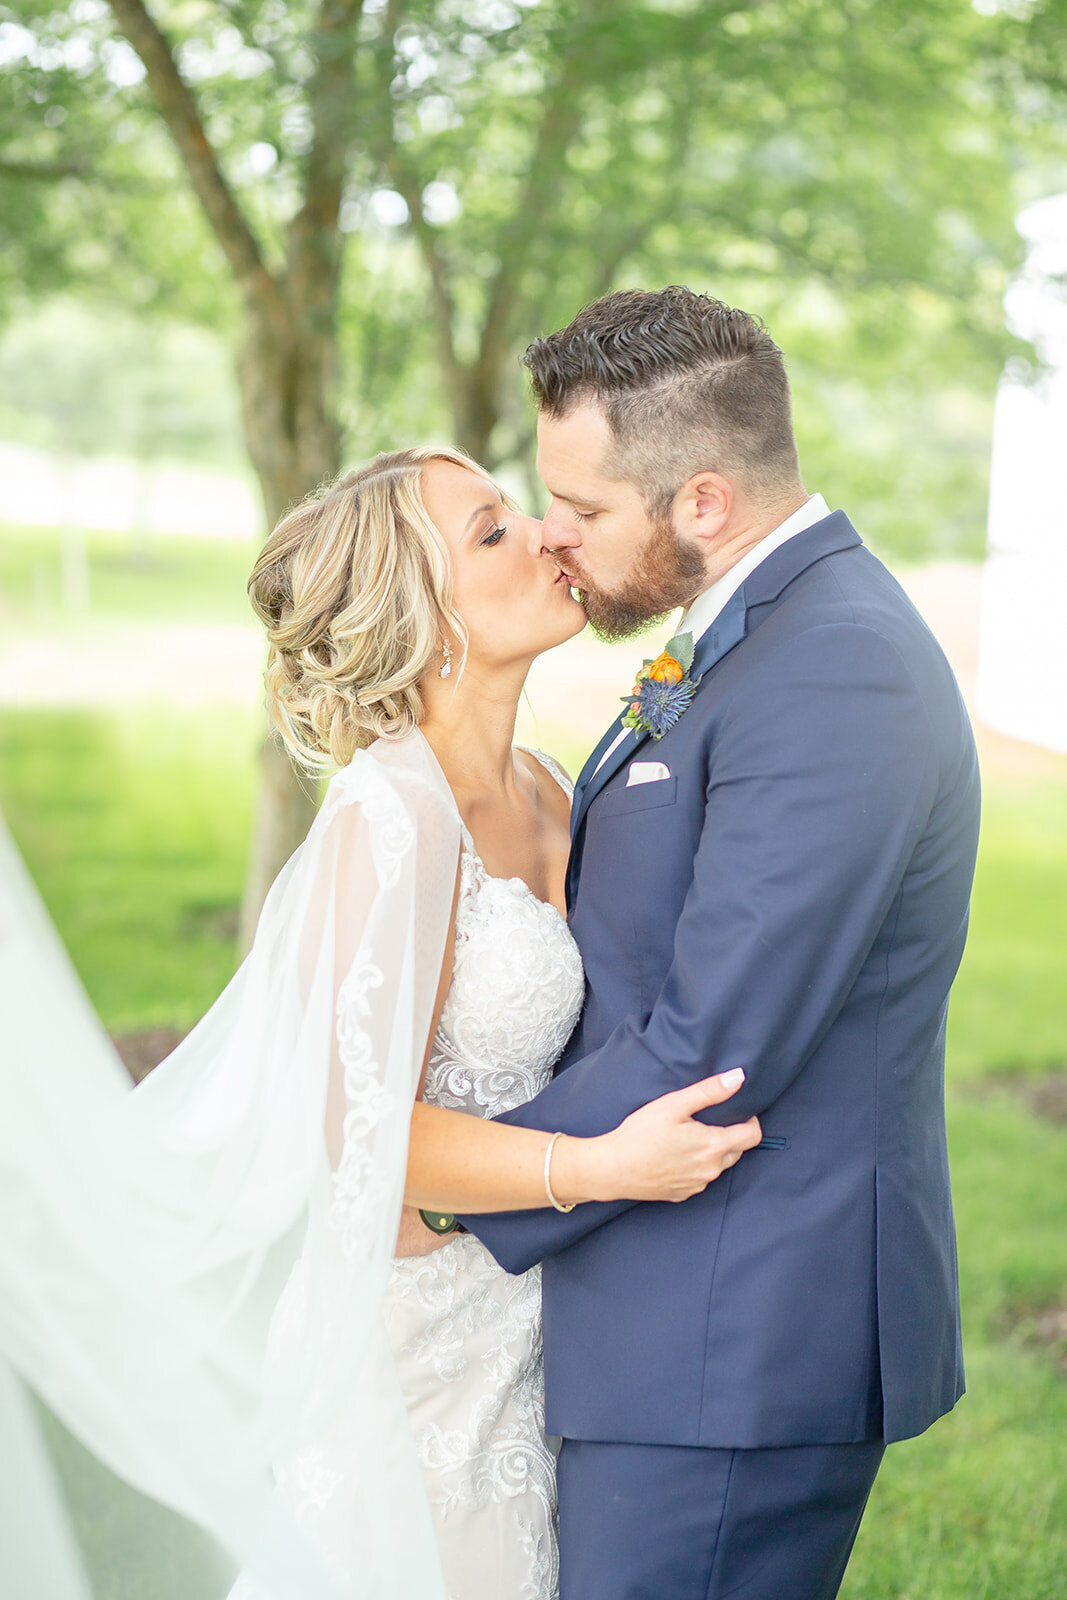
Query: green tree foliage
<point>379,201</point>
<point>847,169</point>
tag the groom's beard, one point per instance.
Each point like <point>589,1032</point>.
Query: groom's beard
<point>666,574</point>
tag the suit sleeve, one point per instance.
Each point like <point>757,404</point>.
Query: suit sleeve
<point>823,775</point>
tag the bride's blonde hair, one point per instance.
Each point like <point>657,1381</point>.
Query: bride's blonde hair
<point>355,588</point>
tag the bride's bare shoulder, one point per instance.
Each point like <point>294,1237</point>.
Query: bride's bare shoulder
<point>553,781</point>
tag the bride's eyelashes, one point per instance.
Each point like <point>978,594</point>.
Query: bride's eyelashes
<point>495,536</point>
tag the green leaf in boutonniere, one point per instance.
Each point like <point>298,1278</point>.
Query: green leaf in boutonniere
<point>681,649</point>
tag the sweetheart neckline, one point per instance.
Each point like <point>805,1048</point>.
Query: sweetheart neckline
<point>555,771</point>
<point>492,877</point>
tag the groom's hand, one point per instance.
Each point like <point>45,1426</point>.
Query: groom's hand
<point>415,1238</point>
<point>667,1155</point>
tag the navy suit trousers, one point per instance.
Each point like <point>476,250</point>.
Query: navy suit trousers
<point>677,1522</point>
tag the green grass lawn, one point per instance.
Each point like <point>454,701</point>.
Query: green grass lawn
<point>173,580</point>
<point>136,829</point>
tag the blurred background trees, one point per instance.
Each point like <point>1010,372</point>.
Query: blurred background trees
<point>425,184</point>
<point>374,204</point>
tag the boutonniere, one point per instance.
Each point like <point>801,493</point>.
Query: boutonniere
<point>663,689</point>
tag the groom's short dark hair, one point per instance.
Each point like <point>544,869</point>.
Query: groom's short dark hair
<point>687,384</point>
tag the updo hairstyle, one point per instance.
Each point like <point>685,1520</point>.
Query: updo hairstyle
<point>355,589</point>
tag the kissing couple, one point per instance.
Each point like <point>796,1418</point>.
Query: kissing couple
<point>557,1199</point>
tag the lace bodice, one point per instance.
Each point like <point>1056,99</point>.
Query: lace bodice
<point>466,1336</point>
<point>517,987</point>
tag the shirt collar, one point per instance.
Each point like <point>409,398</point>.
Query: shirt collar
<point>705,609</point>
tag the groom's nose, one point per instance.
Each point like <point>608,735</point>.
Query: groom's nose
<point>560,530</point>
<point>533,530</point>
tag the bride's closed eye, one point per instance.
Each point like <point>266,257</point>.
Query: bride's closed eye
<point>495,536</point>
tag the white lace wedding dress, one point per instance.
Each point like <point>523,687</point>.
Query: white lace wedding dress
<point>465,1335</point>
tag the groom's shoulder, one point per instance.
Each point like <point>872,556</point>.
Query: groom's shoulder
<point>844,622</point>
<point>847,587</point>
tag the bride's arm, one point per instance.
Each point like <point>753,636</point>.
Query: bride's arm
<point>460,1163</point>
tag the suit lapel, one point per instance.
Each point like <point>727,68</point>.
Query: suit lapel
<point>762,586</point>
<point>600,775</point>
<point>591,765</point>
<point>726,631</point>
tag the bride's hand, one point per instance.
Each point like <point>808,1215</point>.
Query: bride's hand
<point>660,1152</point>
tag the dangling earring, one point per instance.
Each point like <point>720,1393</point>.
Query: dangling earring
<point>446,670</point>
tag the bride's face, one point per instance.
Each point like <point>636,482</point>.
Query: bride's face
<point>506,587</point>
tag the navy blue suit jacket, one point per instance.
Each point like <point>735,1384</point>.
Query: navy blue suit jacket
<point>791,900</point>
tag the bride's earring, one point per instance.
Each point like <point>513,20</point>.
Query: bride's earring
<point>446,670</point>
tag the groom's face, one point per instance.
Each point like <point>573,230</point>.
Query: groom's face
<point>627,568</point>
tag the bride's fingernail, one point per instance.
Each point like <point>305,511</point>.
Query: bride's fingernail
<point>731,1079</point>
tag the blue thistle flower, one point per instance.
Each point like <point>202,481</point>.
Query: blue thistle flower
<point>659,705</point>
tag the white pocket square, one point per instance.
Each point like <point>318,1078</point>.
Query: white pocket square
<point>646,772</point>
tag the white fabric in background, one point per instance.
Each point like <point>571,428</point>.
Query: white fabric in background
<point>1022,653</point>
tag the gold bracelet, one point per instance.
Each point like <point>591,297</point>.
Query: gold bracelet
<point>548,1180</point>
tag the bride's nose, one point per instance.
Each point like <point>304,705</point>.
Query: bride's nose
<point>535,536</point>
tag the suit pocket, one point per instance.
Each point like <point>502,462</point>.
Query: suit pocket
<point>640,797</point>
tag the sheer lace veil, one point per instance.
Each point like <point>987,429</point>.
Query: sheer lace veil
<point>195,1391</point>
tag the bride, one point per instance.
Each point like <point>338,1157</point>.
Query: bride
<point>412,976</point>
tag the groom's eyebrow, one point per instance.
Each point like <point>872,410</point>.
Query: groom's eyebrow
<point>578,502</point>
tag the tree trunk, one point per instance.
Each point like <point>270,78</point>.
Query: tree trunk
<point>286,390</point>
<point>475,417</point>
<point>288,365</point>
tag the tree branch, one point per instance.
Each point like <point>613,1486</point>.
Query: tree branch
<point>83,171</point>
<point>331,100</point>
<point>668,196</point>
<point>559,125</point>
<point>444,306</point>
<point>177,106</point>
<point>624,246</point>
<point>427,237</point>
<point>45,171</point>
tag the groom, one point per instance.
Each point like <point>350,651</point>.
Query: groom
<point>780,883</point>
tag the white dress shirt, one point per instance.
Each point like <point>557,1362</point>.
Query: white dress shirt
<point>707,607</point>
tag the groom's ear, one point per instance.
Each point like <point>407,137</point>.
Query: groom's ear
<point>703,507</point>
